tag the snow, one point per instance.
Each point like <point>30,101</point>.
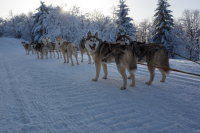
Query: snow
<point>47,96</point>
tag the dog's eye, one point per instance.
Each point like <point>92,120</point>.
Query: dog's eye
<point>91,40</point>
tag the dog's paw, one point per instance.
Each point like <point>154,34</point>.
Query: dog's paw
<point>129,77</point>
<point>77,63</point>
<point>123,88</point>
<point>89,63</point>
<point>148,83</point>
<point>132,85</point>
<point>162,80</point>
<point>104,77</point>
<point>94,79</point>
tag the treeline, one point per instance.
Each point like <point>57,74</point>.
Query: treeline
<point>51,21</point>
<point>74,24</point>
<point>183,38</point>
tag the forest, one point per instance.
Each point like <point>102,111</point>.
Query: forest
<point>179,35</point>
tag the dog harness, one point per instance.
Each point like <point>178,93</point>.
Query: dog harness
<point>135,46</point>
<point>109,55</point>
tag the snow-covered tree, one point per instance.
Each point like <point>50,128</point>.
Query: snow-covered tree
<point>163,23</point>
<point>53,23</point>
<point>123,22</point>
<point>1,26</point>
<point>13,25</point>
<point>27,27</point>
<point>39,29</point>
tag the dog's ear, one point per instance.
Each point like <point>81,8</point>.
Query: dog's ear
<point>89,34</point>
<point>96,34</point>
<point>83,38</point>
<point>125,34</point>
<point>118,35</point>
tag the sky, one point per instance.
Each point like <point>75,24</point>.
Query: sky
<point>139,9</point>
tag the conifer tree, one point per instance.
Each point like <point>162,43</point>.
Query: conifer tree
<point>39,28</point>
<point>123,22</point>
<point>163,23</point>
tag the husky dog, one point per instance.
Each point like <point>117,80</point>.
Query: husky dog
<point>58,50</point>
<point>151,53</point>
<point>50,46</point>
<point>27,47</point>
<point>32,46</point>
<point>83,50</point>
<point>104,53</point>
<point>123,39</point>
<point>44,48</point>
<point>40,48</point>
<point>67,48</point>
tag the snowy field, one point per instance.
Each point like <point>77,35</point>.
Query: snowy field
<point>48,96</point>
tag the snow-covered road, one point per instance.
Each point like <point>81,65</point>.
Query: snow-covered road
<point>48,96</point>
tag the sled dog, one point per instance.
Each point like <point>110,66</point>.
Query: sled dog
<point>44,48</point>
<point>151,53</point>
<point>33,47</point>
<point>50,46</point>
<point>67,48</point>
<point>123,39</point>
<point>27,47</point>
<point>104,53</point>
<point>83,50</point>
<point>40,48</point>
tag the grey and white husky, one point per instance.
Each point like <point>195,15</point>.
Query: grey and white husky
<point>151,53</point>
<point>104,53</point>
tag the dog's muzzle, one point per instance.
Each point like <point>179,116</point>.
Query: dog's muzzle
<point>93,47</point>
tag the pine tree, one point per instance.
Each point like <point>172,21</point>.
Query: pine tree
<point>163,23</point>
<point>39,29</point>
<point>123,22</point>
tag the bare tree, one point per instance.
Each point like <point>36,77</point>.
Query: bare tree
<point>144,30</point>
<point>113,10</point>
<point>191,22</point>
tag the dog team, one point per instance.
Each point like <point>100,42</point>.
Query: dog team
<point>124,52</point>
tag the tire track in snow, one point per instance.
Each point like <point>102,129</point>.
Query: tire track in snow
<point>14,87</point>
<point>60,100</point>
